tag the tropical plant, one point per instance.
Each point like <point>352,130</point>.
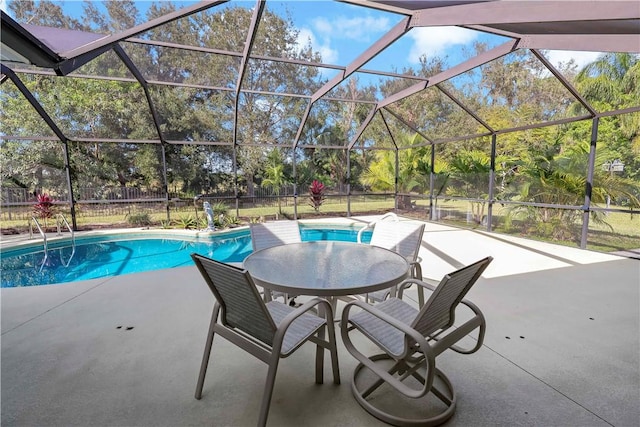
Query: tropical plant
<point>186,222</point>
<point>469,171</point>
<point>219,208</point>
<point>274,176</point>
<point>139,219</point>
<point>316,190</point>
<point>231,221</point>
<point>412,174</point>
<point>613,82</point>
<point>44,208</point>
<point>559,178</point>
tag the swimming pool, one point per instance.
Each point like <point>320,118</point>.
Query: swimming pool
<point>117,254</point>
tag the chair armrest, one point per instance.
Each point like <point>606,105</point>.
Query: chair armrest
<point>478,321</point>
<point>423,347</point>
<point>408,282</point>
<point>307,306</point>
<point>416,269</point>
<point>289,318</point>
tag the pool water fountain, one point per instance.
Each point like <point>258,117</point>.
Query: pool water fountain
<point>206,206</point>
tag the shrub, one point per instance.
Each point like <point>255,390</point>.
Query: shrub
<point>219,208</point>
<point>186,222</point>
<point>44,208</point>
<point>139,219</point>
<point>316,190</point>
<point>231,221</point>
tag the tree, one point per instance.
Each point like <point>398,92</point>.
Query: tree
<point>274,176</point>
<point>469,176</point>
<point>412,172</point>
<point>558,178</point>
<point>609,83</point>
<point>86,108</point>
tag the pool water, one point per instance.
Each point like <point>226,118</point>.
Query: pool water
<point>115,255</point>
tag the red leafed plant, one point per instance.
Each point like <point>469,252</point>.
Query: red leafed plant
<point>316,190</point>
<point>43,209</point>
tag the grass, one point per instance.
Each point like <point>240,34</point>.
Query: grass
<point>622,231</point>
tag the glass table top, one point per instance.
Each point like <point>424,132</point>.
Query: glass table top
<point>326,268</point>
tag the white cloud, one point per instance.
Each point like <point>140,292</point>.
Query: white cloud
<point>305,36</point>
<point>359,28</point>
<point>324,34</point>
<point>3,6</point>
<point>435,41</point>
<point>322,25</point>
<point>564,56</point>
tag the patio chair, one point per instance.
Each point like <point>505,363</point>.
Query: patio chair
<point>402,237</point>
<point>267,234</point>
<point>268,331</point>
<point>411,339</point>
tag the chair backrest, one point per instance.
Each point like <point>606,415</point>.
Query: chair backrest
<point>403,237</point>
<point>241,305</point>
<point>267,234</point>
<point>439,311</point>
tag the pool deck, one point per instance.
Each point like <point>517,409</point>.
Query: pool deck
<point>562,347</point>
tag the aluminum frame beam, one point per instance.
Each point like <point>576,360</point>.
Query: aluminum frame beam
<point>138,29</point>
<point>522,12</point>
<point>248,45</point>
<point>52,125</point>
<point>389,38</point>
<point>190,86</point>
<point>406,123</point>
<point>463,67</point>
<point>629,43</point>
<point>270,58</point>
<point>564,82</point>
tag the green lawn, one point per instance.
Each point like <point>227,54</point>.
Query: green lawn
<point>621,230</point>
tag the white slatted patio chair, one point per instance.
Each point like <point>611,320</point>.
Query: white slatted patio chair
<point>411,339</point>
<point>267,234</point>
<point>403,237</point>
<point>269,331</point>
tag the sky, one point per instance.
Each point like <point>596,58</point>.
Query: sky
<point>344,31</point>
<point>340,32</point>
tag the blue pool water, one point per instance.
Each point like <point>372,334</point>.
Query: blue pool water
<point>114,255</point>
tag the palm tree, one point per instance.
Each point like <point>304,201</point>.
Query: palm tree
<point>560,178</point>
<point>470,171</point>
<point>412,173</point>
<point>613,78</point>
<point>274,175</point>
<point>613,82</point>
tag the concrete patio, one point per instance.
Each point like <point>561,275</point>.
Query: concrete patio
<point>562,348</point>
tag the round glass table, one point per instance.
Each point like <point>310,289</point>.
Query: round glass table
<point>326,268</point>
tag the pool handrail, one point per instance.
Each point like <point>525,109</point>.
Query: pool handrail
<point>391,215</point>
<point>60,219</point>
<point>44,238</point>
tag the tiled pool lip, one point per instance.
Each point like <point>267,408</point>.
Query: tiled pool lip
<point>22,241</point>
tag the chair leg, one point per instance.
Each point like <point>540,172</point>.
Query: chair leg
<point>268,389</point>
<point>320,357</point>
<point>447,396</point>
<point>333,352</point>
<point>207,351</point>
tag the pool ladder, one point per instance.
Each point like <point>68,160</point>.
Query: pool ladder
<point>60,220</point>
